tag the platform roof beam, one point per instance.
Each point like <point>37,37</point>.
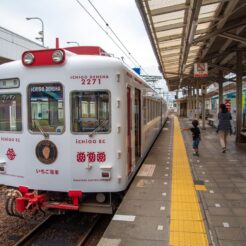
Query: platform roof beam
<point>189,33</point>
<point>233,37</point>
<point>225,69</point>
<point>231,6</point>
<point>236,23</point>
<point>183,32</point>
<point>227,44</point>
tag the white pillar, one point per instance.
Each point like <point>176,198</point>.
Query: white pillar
<point>204,91</point>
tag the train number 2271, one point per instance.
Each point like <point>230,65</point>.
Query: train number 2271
<point>91,81</point>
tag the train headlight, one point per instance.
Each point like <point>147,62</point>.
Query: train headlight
<point>28,58</point>
<point>57,56</point>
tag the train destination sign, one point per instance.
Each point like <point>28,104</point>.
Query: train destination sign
<point>46,88</point>
<point>9,83</point>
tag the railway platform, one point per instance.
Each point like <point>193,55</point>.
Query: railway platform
<point>179,199</point>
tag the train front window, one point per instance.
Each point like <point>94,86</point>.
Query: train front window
<point>46,108</point>
<point>10,112</point>
<point>90,111</point>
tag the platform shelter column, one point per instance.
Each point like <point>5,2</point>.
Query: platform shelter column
<point>197,100</point>
<point>189,103</point>
<point>204,89</point>
<point>221,87</point>
<point>193,102</point>
<point>239,95</point>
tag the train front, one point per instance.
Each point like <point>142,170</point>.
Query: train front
<point>59,139</point>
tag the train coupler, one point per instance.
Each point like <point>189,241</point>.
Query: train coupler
<point>74,195</point>
<point>30,201</point>
<point>25,204</point>
<point>21,203</point>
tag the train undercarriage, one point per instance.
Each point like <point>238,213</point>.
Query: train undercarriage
<point>23,202</point>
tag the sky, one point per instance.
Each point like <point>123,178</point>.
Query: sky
<point>68,21</point>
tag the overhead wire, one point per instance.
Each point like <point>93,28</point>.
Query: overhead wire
<point>126,53</point>
<point>81,5</point>
<point>108,26</point>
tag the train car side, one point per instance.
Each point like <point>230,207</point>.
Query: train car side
<point>81,127</point>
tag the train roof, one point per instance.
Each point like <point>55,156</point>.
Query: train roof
<point>58,56</point>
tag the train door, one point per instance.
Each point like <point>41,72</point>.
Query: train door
<point>129,126</point>
<point>137,114</point>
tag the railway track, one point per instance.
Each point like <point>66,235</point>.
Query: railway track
<point>34,231</point>
<point>85,236</point>
<point>61,230</point>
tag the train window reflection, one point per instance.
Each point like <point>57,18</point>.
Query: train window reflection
<point>10,112</point>
<point>90,111</point>
<point>46,108</point>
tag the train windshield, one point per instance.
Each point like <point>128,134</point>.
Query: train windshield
<point>90,111</point>
<point>46,108</point>
<point>10,112</point>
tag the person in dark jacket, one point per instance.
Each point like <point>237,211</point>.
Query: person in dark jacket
<point>224,126</point>
<point>196,136</point>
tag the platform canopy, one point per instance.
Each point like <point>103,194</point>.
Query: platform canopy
<point>184,32</point>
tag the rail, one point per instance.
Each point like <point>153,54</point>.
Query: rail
<point>36,234</point>
<point>85,236</point>
<point>34,231</point>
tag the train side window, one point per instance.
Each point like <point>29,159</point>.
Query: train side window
<point>147,106</point>
<point>152,109</point>
<point>145,110</point>
<point>46,108</point>
<point>149,110</point>
<point>154,102</point>
<point>155,109</point>
<point>90,111</point>
<point>10,112</point>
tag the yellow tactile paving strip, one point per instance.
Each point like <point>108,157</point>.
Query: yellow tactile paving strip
<point>187,227</point>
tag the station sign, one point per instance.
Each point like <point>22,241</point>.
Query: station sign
<point>200,70</point>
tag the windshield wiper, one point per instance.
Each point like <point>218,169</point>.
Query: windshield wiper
<point>91,134</point>
<point>45,134</point>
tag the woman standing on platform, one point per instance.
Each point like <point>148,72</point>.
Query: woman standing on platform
<point>224,126</point>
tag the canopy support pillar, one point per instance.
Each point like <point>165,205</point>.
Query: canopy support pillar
<point>239,95</point>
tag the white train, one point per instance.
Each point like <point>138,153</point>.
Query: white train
<point>75,124</point>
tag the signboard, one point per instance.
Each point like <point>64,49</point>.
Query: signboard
<point>228,104</point>
<point>200,70</point>
<point>151,78</point>
<point>204,89</point>
<point>184,92</point>
<point>137,70</point>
